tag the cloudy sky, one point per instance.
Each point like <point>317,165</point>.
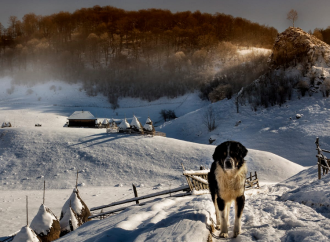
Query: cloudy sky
<point>311,13</point>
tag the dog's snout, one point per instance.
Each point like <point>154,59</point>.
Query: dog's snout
<point>228,164</point>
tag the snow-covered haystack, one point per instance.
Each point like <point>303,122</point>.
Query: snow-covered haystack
<point>78,206</point>
<point>136,125</point>
<point>112,124</point>
<point>105,123</point>
<point>46,225</point>
<point>149,127</point>
<point>69,222</point>
<point>26,234</point>
<point>296,45</point>
<point>123,126</point>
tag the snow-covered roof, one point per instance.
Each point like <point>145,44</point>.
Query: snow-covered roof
<point>83,115</point>
<point>26,234</point>
<point>105,121</point>
<point>43,221</point>
<point>124,125</point>
<point>135,123</point>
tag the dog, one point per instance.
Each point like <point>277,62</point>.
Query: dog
<point>227,183</point>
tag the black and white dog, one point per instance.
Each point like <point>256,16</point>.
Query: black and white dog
<point>227,183</point>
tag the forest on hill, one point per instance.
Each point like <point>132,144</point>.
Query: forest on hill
<point>147,53</point>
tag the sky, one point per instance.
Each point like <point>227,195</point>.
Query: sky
<point>311,13</point>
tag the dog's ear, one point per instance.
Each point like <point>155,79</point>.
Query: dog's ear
<point>217,153</point>
<point>242,150</point>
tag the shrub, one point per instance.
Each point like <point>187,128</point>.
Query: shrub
<point>303,87</point>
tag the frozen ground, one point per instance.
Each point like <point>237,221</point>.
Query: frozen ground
<point>293,210</point>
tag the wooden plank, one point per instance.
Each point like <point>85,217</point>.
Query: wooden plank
<point>188,179</point>
<point>201,180</point>
<point>110,212</point>
<point>184,188</point>
<point>201,172</point>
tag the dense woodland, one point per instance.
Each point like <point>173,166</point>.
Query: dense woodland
<point>146,53</point>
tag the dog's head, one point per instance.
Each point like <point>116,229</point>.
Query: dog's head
<point>230,155</point>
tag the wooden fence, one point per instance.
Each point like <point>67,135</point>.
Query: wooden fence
<point>322,161</point>
<point>197,180</point>
<point>137,199</point>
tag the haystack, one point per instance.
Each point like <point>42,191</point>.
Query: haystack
<point>69,222</point>
<point>149,127</point>
<point>112,124</point>
<point>26,234</point>
<point>124,126</point>
<point>78,206</point>
<point>46,225</point>
<point>105,123</point>
<point>136,126</point>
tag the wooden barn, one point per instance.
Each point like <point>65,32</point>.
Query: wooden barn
<point>82,119</point>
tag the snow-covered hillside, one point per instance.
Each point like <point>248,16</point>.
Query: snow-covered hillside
<point>269,215</point>
<point>109,163</point>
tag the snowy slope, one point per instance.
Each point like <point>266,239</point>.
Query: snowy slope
<point>29,154</point>
<point>187,219</point>
<point>274,129</point>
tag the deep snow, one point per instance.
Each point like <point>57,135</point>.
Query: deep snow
<point>109,163</point>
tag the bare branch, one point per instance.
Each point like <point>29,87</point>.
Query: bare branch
<point>292,15</point>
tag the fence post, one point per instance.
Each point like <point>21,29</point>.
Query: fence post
<point>318,158</point>
<point>257,179</point>
<point>135,193</point>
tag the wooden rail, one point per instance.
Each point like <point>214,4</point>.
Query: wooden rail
<point>197,180</point>
<point>184,188</point>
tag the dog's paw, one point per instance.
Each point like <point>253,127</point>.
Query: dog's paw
<point>217,227</point>
<point>223,235</point>
<point>212,229</point>
<point>236,233</point>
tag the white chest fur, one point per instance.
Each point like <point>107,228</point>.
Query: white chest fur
<point>231,184</point>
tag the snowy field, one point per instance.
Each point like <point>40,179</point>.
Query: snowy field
<point>280,148</point>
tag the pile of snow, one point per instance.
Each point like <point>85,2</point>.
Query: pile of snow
<point>306,188</point>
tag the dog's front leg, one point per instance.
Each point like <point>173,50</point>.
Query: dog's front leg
<point>217,213</point>
<point>239,205</point>
<point>223,217</point>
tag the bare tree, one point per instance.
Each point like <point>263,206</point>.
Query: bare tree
<point>292,15</point>
<point>209,119</point>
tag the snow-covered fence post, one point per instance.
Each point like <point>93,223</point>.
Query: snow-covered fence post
<point>135,193</point>
<point>318,158</point>
<point>27,212</point>
<point>255,173</point>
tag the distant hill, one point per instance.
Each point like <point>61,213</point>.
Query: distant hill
<point>146,54</point>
